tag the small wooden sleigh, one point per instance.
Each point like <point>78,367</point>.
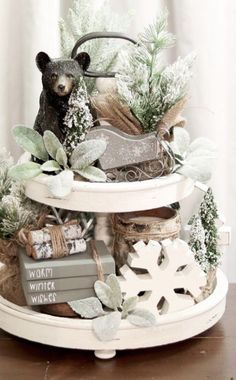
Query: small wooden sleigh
<point>129,157</point>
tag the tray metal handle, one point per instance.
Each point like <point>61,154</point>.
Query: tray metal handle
<point>95,35</point>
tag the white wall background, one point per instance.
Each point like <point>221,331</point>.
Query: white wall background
<point>206,26</point>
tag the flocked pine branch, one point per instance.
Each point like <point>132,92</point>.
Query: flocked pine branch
<point>16,211</point>
<point>86,16</point>
<point>197,242</point>
<point>78,119</point>
<point>143,84</point>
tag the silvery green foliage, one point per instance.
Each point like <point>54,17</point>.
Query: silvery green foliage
<point>114,285</point>
<point>81,160</point>
<point>87,16</point>
<point>105,328</point>
<point>109,294</point>
<point>60,185</point>
<point>51,143</point>
<point>61,157</point>
<point>16,210</point>
<point>196,159</point>
<point>147,87</point>
<point>128,305</point>
<point>141,317</point>
<point>86,153</point>
<point>50,166</point>
<point>78,119</point>
<point>24,171</point>
<point>92,173</point>
<point>88,308</point>
<point>31,141</point>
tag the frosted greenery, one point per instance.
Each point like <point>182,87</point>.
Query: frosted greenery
<point>208,213</point>
<point>204,234</point>
<point>78,119</point>
<point>147,87</point>
<point>16,211</point>
<point>86,16</point>
<point>197,242</point>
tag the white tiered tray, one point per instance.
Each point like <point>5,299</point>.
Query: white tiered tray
<point>114,197</point>
<point>77,333</point>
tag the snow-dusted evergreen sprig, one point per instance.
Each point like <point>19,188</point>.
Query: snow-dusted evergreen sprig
<point>209,214</point>
<point>143,84</point>
<point>87,16</point>
<point>174,80</point>
<point>78,119</point>
<point>16,211</point>
<point>204,234</point>
<point>197,242</point>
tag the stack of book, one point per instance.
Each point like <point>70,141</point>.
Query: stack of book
<point>66,279</point>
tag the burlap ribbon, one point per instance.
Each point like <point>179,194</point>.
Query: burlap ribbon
<point>110,109</point>
<point>173,118</point>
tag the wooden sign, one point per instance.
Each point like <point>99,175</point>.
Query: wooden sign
<point>123,149</point>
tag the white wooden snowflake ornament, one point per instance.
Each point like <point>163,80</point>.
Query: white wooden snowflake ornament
<point>162,286</point>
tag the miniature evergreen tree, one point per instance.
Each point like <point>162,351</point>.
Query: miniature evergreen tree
<point>78,119</point>
<point>197,242</point>
<point>208,213</point>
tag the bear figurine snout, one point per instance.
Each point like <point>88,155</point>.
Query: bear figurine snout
<point>61,87</point>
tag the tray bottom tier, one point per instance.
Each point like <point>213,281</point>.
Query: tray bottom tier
<point>77,333</point>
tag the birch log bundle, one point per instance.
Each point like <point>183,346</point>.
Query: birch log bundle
<point>41,243</point>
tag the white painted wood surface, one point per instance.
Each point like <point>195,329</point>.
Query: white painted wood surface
<point>114,197</point>
<point>162,280</point>
<point>77,333</point>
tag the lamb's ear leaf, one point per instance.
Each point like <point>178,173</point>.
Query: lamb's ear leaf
<point>61,157</point>
<point>181,141</point>
<point>51,143</point>
<point>105,294</point>
<point>105,328</point>
<point>113,282</point>
<point>60,185</point>
<point>93,174</point>
<point>31,141</point>
<point>141,317</point>
<point>129,305</point>
<point>24,171</point>
<point>87,308</point>
<point>50,166</point>
<point>86,153</point>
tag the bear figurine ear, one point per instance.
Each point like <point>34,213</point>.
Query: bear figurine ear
<point>83,60</point>
<point>42,59</point>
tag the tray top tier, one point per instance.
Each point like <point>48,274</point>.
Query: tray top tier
<point>114,197</point>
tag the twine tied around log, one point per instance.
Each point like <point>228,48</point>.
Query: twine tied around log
<point>128,228</point>
<point>57,239</point>
<point>97,259</point>
<point>59,245</point>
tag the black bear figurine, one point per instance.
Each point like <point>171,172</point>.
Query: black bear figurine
<point>58,78</point>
